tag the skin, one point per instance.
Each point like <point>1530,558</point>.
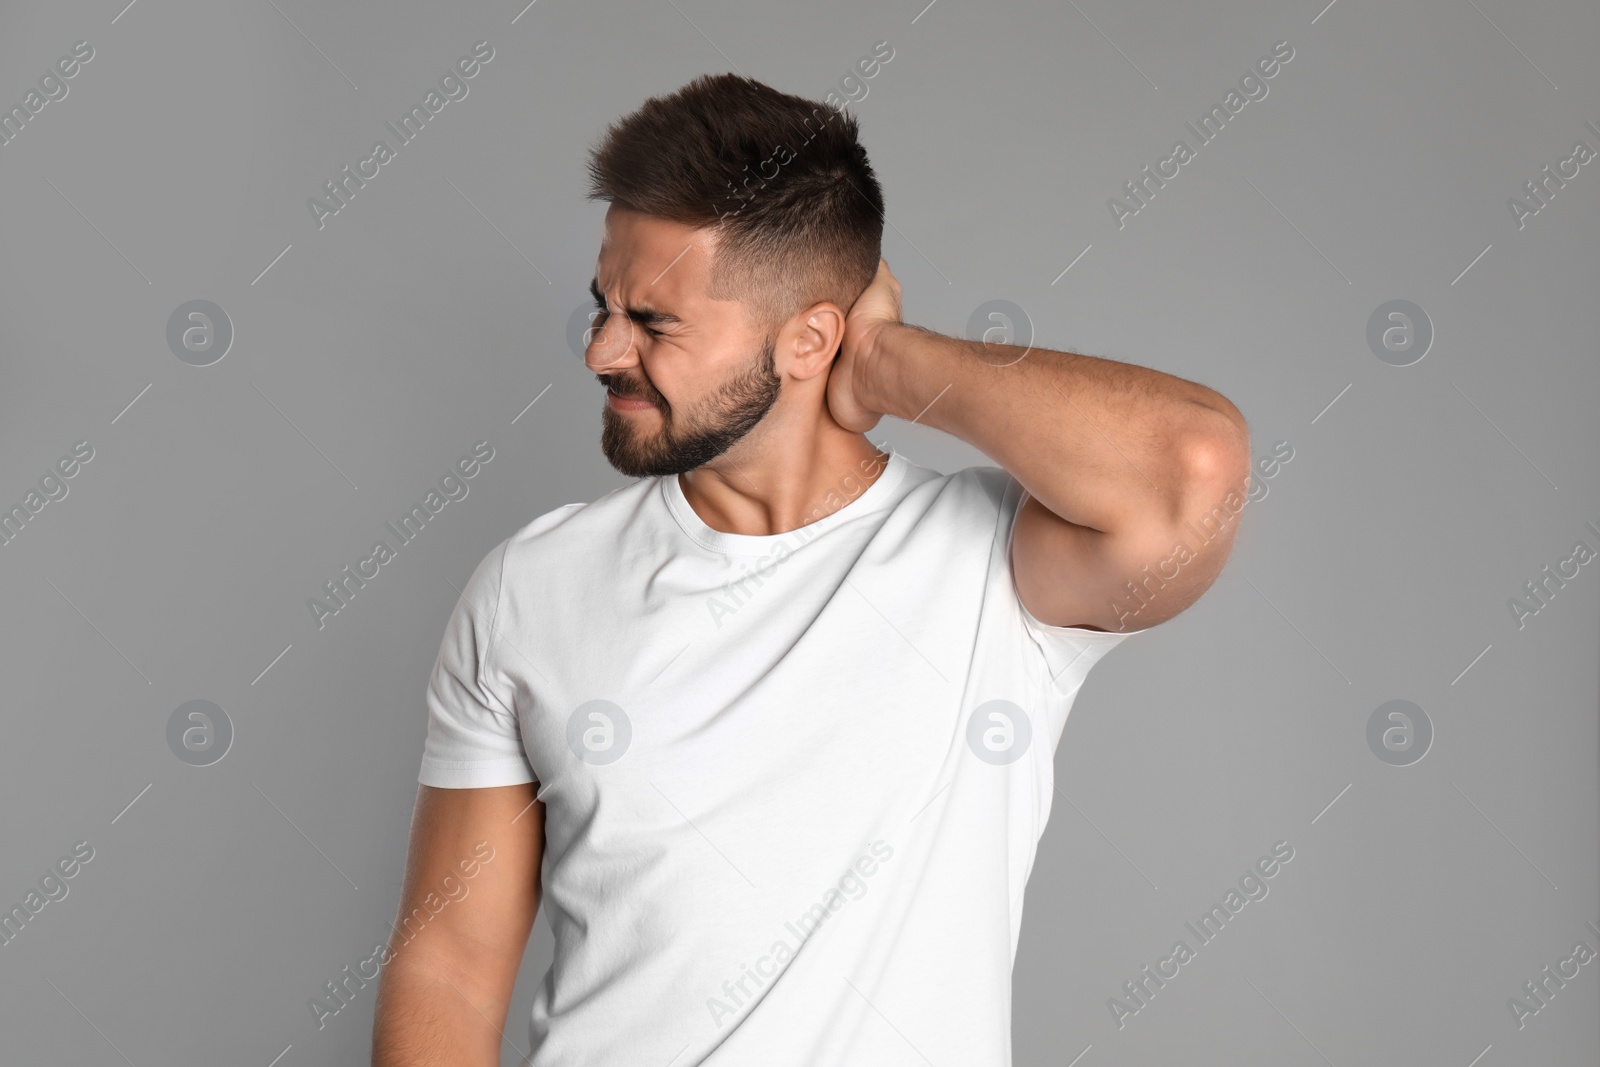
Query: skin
<point>1120,462</point>
<point>705,372</point>
<point>443,996</point>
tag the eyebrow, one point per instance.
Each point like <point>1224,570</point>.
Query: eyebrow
<point>643,314</point>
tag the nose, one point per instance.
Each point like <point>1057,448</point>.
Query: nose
<point>609,344</point>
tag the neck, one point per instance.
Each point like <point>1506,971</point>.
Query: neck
<point>772,486</point>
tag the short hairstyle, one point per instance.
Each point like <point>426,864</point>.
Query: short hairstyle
<point>783,182</point>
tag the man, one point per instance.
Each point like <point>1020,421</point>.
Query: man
<point>770,731</point>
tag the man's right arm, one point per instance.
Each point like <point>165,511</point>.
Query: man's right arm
<point>445,992</point>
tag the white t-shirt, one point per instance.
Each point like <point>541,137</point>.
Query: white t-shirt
<point>793,783</point>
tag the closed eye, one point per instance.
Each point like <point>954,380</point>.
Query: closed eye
<point>600,310</point>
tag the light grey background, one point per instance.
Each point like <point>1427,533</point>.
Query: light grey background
<point>369,355</point>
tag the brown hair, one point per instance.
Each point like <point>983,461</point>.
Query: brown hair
<point>704,156</point>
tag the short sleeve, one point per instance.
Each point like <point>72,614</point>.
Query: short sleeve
<point>473,737</point>
<point>1068,651</point>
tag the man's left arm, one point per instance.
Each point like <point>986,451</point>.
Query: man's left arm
<point>1123,465</point>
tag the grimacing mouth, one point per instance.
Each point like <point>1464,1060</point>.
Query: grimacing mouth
<point>611,387</point>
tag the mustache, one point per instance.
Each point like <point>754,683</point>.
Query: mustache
<point>626,389</point>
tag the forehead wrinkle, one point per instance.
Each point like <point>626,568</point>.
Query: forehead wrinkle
<point>643,313</point>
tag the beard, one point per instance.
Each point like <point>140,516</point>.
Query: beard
<point>729,414</point>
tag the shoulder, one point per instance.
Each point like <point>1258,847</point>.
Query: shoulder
<point>981,491</point>
<point>566,535</point>
<point>988,483</point>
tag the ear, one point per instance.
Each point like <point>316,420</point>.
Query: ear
<point>813,338</point>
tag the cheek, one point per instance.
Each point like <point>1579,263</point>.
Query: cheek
<point>672,373</point>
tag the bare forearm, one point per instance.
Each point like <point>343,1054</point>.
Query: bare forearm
<point>1100,443</point>
<point>423,1019</point>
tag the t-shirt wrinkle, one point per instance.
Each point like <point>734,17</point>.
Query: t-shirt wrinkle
<point>793,784</point>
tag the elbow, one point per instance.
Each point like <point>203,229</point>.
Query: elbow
<point>1225,427</point>
<point>1215,468</point>
<point>1218,458</point>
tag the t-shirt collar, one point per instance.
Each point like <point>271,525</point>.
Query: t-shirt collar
<point>763,544</point>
